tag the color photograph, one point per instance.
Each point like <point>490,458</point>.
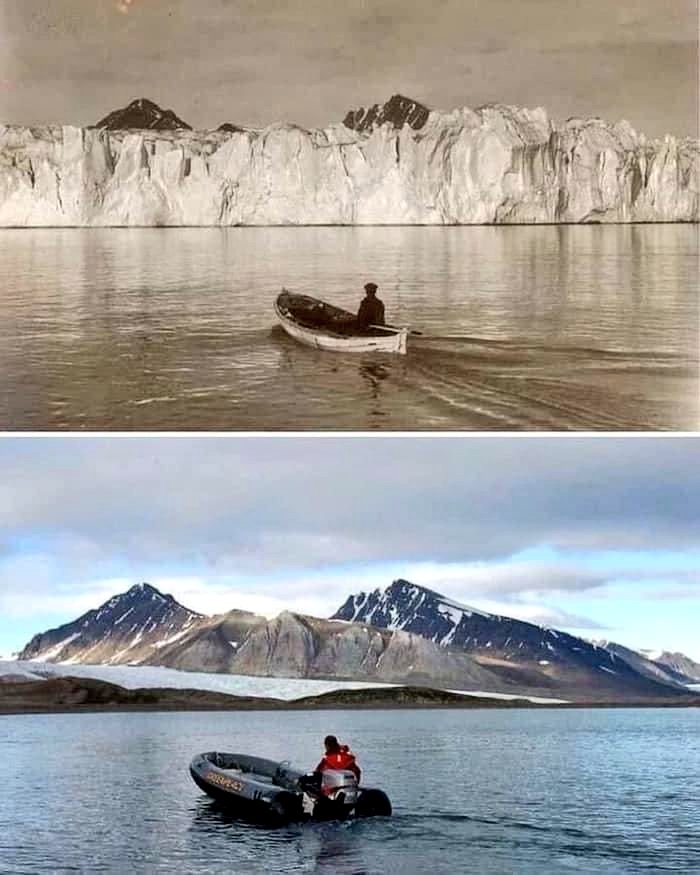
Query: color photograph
<point>488,661</point>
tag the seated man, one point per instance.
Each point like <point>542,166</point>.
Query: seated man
<point>371,310</point>
<point>315,788</point>
<point>337,756</point>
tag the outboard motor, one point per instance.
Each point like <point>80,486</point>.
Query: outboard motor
<point>340,785</point>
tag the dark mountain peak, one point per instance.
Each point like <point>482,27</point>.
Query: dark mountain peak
<point>400,604</point>
<point>397,111</point>
<point>139,594</point>
<point>549,656</point>
<point>402,587</point>
<point>145,590</point>
<point>142,599</point>
<point>139,617</point>
<point>677,662</point>
<point>144,104</point>
<point>228,128</point>
<point>646,665</point>
<point>142,588</point>
<point>142,114</point>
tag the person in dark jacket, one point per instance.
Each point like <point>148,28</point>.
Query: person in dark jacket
<point>337,756</point>
<point>371,310</point>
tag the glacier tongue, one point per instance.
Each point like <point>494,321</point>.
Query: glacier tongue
<point>497,164</point>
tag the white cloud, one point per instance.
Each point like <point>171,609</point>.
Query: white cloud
<point>467,579</point>
<point>268,524</point>
<point>251,504</point>
<point>540,614</point>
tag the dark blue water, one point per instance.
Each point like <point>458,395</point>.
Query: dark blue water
<point>482,791</point>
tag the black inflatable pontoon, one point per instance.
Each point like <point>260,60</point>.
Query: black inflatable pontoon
<point>266,791</point>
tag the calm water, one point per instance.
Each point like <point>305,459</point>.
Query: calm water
<point>588,327</point>
<point>482,791</point>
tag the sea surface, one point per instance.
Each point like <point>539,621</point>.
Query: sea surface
<point>480,791</point>
<point>551,327</point>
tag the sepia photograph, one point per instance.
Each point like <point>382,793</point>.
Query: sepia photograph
<point>265,215</point>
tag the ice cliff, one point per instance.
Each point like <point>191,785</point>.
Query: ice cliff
<point>397,163</point>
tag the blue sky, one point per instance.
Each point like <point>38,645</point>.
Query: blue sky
<point>596,535</point>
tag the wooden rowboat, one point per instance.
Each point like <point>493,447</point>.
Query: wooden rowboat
<point>315,323</point>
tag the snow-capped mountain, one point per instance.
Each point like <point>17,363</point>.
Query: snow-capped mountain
<point>145,627</point>
<point>676,662</point>
<point>643,662</point>
<point>142,114</point>
<point>394,163</point>
<point>677,667</point>
<point>514,649</point>
<point>129,628</point>
<point>406,634</point>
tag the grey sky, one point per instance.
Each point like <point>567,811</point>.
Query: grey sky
<point>271,503</point>
<point>308,61</point>
<point>587,533</point>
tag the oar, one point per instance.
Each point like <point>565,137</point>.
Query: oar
<point>397,329</point>
<point>456,337</point>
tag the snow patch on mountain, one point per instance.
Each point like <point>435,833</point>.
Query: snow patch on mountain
<point>127,627</point>
<point>171,638</point>
<point>516,650</point>
<point>53,652</point>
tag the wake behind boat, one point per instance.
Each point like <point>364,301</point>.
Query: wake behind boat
<point>321,325</point>
<point>265,791</point>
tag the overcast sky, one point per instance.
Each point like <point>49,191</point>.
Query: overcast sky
<point>309,61</point>
<point>599,536</point>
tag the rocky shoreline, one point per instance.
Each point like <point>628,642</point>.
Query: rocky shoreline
<point>80,695</point>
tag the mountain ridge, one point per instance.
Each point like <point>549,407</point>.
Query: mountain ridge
<point>129,620</point>
<point>646,665</point>
<point>394,163</point>
<point>144,627</point>
<point>513,648</point>
<point>406,635</point>
<point>142,114</point>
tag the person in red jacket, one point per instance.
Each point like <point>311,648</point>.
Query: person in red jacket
<point>338,756</point>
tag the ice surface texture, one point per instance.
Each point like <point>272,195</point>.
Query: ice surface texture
<point>497,164</point>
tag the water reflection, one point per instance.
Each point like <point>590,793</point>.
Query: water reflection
<point>373,374</point>
<point>172,328</point>
<point>337,849</point>
<point>320,847</point>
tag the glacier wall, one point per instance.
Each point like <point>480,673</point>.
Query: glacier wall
<point>497,164</point>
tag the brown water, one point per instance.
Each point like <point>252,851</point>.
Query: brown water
<point>574,327</point>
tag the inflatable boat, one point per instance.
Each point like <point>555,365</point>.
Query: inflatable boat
<point>265,791</point>
<point>321,325</point>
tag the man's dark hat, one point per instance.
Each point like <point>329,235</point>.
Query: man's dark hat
<point>370,287</point>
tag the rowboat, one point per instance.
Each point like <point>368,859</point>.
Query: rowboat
<point>323,326</point>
